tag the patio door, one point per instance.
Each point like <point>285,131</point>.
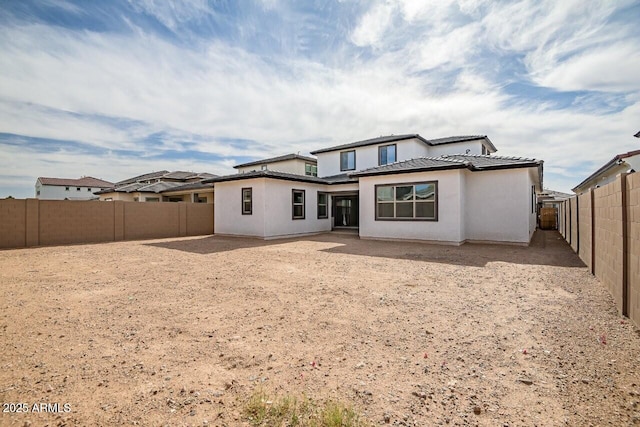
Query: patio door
<point>345,211</point>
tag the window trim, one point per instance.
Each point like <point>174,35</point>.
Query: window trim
<point>250,211</point>
<point>405,184</point>
<point>311,166</point>
<point>293,204</point>
<point>395,150</point>
<point>354,160</point>
<point>326,205</point>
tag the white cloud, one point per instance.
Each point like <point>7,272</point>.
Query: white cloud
<point>57,83</point>
<point>373,25</point>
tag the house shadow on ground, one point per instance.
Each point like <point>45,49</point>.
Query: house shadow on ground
<point>546,248</point>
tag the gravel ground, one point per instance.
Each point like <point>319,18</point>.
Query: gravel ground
<point>183,331</point>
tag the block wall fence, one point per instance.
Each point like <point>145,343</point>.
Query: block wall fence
<point>33,222</point>
<point>603,227</point>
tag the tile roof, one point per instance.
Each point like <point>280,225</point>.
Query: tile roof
<point>85,181</point>
<point>272,174</point>
<point>450,161</point>
<point>464,138</point>
<point>480,162</point>
<point>277,159</point>
<point>372,141</point>
<point>607,166</point>
<point>143,177</point>
<point>191,186</point>
<point>413,165</point>
<point>158,187</point>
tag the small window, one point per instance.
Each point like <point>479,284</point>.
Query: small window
<point>152,199</point>
<point>323,211</point>
<point>88,189</point>
<point>136,199</point>
<point>247,201</point>
<point>310,169</point>
<point>348,160</point>
<point>263,167</point>
<point>77,188</point>
<point>297,202</point>
<point>66,188</point>
<point>38,192</point>
<point>484,150</point>
<point>386,154</point>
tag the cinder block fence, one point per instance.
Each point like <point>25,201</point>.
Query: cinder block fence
<point>603,227</point>
<point>33,222</point>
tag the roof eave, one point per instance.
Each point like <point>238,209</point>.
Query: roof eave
<point>346,146</point>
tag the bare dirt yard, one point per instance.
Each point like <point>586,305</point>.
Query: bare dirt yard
<point>185,331</point>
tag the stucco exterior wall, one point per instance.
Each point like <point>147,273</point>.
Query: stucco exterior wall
<point>55,192</point>
<point>498,206</point>
<point>278,204</point>
<point>228,213</point>
<point>447,229</point>
<point>474,147</point>
<point>367,157</point>
<point>125,197</point>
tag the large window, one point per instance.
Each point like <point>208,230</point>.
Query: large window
<point>386,154</point>
<point>247,201</point>
<point>297,203</point>
<point>310,169</point>
<point>348,160</point>
<point>323,203</point>
<point>416,201</point>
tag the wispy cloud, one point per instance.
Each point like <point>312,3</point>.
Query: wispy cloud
<point>154,80</point>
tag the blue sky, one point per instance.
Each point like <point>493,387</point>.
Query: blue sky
<point>113,89</point>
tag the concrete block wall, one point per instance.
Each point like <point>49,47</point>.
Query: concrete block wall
<point>584,228</point>
<point>608,238</point>
<point>13,225</point>
<point>33,222</point>
<point>615,221</point>
<point>633,245</point>
<point>573,218</point>
<point>74,222</point>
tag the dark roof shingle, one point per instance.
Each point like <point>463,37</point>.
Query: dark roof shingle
<point>86,181</point>
<point>277,159</point>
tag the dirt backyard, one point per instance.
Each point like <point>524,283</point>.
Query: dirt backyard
<point>185,331</point>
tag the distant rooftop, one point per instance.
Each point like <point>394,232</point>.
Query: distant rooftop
<point>277,159</point>
<point>85,181</point>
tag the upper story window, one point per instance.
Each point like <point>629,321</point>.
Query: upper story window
<point>77,188</point>
<point>310,169</point>
<point>66,188</point>
<point>386,154</point>
<point>348,160</point>
<point>484,150</point>
<point>263,167</point>
<point>247,201</point>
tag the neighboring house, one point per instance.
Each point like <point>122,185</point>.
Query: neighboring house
<point>69,188</point>
<point>551,198</point>
<point>161,186</point>
<point>447,190</point>
<point>289,163</point>
<point>626,162</point>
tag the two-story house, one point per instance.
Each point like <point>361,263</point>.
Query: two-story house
<point>290,163</point>
<point>446,190</point>
<point>69,188</point>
